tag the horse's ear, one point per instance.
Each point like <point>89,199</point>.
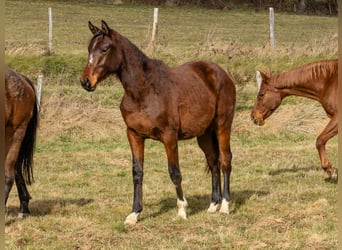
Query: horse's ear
<point>258,77</point>
<point>268,73</point>
<point>105,29</point>
<point>93,28</point>
<point>261,77</point>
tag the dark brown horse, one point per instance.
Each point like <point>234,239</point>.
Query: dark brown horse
<point>21,118</point>
<point>317,81</point>
<point>196,99</point>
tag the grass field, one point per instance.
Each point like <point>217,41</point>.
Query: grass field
<point>83,189</point>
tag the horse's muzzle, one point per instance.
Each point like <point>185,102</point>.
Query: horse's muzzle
<point>257,121</point>
<point>86,84</point>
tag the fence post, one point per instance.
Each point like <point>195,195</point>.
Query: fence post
<point>272,36</point>
<point>50,30</point>
<point>39,89</point>
<point>154,27</point>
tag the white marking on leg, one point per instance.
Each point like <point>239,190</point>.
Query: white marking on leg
<point>334,175</point>
<point>213,207</point>
<point>132,218</point>
<point>224,207</point>
<point>181,208</point>
<point>22,215</point>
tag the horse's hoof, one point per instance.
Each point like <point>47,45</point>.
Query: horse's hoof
<point>213,207</point>
<point>224,207</point>
<point>182,214</point>
<point>334,176</point>
<point>132,219</point>
<point>23,215</point>
<point>181,208</point>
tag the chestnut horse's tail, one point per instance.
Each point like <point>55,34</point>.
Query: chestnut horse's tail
<point>24,162</point>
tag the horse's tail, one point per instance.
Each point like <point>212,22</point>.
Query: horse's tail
<point>24,162</point>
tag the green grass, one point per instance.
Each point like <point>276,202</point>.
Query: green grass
<point>83,189</point>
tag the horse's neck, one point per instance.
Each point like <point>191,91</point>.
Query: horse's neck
<point>296,86</point>
<point>139,75</point>
<point>132,74</point>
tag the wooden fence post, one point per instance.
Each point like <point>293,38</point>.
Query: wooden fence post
<point>272,36</point>
<point>50,31</point>
<point>154,27</point>
<point>39,89</point>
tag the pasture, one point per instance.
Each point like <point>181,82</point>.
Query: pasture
<point>83,189</point>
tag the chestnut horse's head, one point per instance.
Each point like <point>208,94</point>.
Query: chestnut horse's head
<point>104,56</point>
<point>268,99</point>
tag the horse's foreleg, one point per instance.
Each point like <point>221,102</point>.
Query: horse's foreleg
<point>137,147</point>
<point>171,147</point>
<point>176,178</point>
<point>329,131</point>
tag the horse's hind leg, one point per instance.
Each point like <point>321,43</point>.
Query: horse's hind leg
<point>208,144</point>
<point>24,195</point>
<point>328,132</point>
<point>225,159</point>
<point>14,140</point>
<point>9,178</point>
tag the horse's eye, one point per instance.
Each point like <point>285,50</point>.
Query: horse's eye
<point>104,50</point>
<point>261,94</point>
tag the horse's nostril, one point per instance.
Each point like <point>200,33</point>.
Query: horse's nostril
<point>85,82</point>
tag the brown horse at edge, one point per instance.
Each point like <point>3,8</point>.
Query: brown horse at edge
<point>318,81</point>
<point>21,119</point>
<point>196,99</point>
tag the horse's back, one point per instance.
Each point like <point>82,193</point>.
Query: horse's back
<point>211,72</point>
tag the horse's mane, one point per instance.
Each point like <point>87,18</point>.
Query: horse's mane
<point>306,73</point>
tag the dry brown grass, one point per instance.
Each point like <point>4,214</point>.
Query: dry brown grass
<point>77,116</point>
<point>234,48</point>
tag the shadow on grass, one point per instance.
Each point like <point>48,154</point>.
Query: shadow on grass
<point>44,207</point>
<point>200,203</point>
<point>297,170</point>
<point>294,169</point>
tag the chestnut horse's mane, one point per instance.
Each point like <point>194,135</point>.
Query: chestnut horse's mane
<point>306,73</point>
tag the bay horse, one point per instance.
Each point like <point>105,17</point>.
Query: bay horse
<point>196,99</point>
<point>21,120</point>
<point>318,81</point>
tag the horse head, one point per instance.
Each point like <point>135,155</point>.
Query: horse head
<point>268,99</point>
<point>104,56</point>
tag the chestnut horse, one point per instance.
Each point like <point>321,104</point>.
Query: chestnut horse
<point>21,118</point>
<point>196,99</point>
<point>318,81</point>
